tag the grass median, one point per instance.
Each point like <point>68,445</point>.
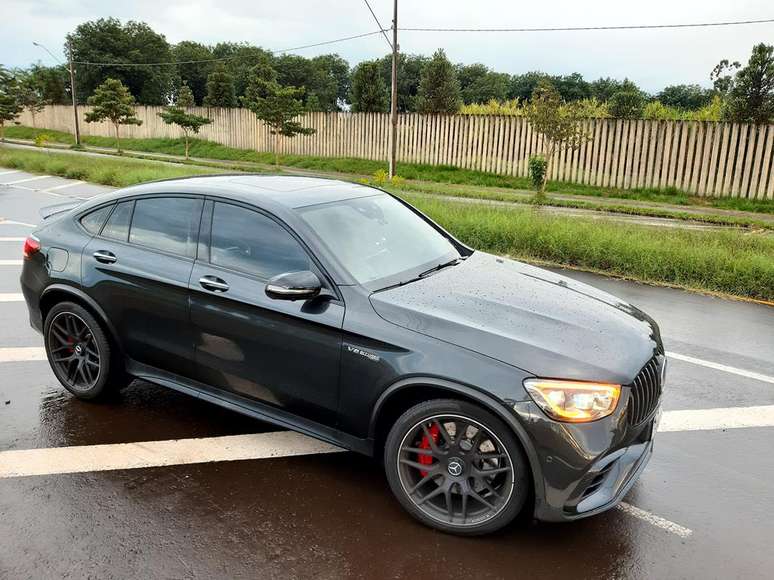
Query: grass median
<point>731,261</point>
<point>728,262</point>
<point>204,149</point>
<point>118,172</point>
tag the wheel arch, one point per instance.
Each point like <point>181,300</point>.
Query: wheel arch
<point>56,293</point>
<point>405,393</point>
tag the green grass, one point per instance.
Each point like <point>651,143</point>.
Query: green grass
<point>729,261</point>
<point>118,172</point>
<point>512,197</point>
<point>411,171</point>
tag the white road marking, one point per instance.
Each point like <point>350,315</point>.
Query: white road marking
<point>26,179</point>
<point>717,419</point>
<point>9,172</point>
<point>11,297</point>
<point>720,367</point>
<point>5,222</point>
<point>10,262</point>
<point>655,520</point>
<point>50,189</point>
<point>83,458</point>
<point>22,353</point>
<point>11,239</point>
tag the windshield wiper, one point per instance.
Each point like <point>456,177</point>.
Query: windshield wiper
<point>434,269</point>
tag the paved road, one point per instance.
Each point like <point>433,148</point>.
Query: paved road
<point>701,510</point>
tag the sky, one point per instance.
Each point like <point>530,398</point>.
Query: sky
<point>652,58</point>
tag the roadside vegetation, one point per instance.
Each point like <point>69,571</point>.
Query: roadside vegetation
<point>732,262</point>
<point>728,261</point>
<point>360,168</point>
<point>118,172</point>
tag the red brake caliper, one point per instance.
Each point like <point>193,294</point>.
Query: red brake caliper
<point>425,444</point>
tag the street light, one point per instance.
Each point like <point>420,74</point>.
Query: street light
<point>72,86</point>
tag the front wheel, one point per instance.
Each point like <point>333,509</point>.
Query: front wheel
<point>456,467</point>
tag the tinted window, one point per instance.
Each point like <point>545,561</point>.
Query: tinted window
<point>249,241</point>
<point>93,221</point>
<point>170,224</point>
<point>117,226</point>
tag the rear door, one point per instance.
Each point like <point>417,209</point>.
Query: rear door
<point>279,352</point>
<point>138,267</point>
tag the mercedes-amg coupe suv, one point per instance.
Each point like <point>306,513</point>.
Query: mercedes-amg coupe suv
<point>485,386</point>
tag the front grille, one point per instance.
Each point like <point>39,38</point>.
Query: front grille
<point>645,392</point>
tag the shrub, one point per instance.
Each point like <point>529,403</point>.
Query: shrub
<point>42,139</point>
<point>628,104</point>
<point>537,172</point>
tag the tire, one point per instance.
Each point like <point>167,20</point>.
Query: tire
<point>428,472</point>
<point>80,353</point>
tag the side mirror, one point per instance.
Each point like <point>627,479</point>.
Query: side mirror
<point>294,286</point>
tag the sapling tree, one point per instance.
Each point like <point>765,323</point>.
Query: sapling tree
<point>31,95</point>
<point>113,102</point>
<point>559,124</point>
<point>178,114</point>
<point>277,106</point>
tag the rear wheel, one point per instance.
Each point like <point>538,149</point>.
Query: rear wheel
<point>456,467</point>
<point>79,352</point>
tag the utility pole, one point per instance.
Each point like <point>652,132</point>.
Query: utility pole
<point>394,100</point>
<point>72,94</point>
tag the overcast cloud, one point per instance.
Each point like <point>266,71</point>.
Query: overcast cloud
<point>652,58</point>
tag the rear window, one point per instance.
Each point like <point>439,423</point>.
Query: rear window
<point>117,226</point>
<point>92,221</point>
<point>169,224</point>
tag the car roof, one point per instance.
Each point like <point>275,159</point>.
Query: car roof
<point>286,190</point>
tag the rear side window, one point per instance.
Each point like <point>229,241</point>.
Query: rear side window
<point>251,242</point>
<point>92,221</point>
<point>169,224</point>
<point>117,226</point>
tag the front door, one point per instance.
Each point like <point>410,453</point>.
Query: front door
<point>281,353</point>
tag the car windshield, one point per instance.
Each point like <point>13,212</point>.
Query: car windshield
<point>378,239</point>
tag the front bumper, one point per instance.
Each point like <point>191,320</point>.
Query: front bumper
<point>584,468</point>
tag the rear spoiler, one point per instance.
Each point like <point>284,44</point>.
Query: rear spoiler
<point>53,210</point>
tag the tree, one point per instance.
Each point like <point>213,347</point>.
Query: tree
<point>178,115</point>
<point>410,68</point>
<point>627,104</point>
<point>522,86</point>
<point>242,57</point>
<point>53,82</point>
<point>277,106</point>
<point>10,106</point>
<point>559,123</point>
<point>439,89</point>
<point>107,40</point>
<point>30,95</point>
<point>368,93</point>
<point>603,89</point>
<point>751,91</point>
<point>193,74</point>
<point>573,87</point>
<point>686,97</point>
<point>478,84</point>
<point>112,101</point>
<point>220,89</point>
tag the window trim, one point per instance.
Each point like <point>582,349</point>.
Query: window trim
<point>79,216</point>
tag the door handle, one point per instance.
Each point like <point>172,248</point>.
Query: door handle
<point>104,256</point>
<point>213,283</point>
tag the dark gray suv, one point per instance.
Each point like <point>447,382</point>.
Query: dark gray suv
<point>485,385</point>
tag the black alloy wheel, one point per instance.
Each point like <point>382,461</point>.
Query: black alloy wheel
<point>79,351</point>
<point>457,468</point>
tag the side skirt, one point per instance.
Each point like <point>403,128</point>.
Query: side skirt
<point>250,407</point>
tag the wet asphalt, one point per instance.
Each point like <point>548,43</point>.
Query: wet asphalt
<point>332,515</point>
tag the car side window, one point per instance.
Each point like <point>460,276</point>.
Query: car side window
<point>169,224</point>
<point>117,226</point>
<point>92,221</point>
<point>251,242</point>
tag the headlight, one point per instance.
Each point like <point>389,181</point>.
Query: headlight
<point>574,402</point>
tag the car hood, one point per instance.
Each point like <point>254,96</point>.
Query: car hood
<point>544,323</point>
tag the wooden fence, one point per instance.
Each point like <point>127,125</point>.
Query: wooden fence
<point>703,158</point>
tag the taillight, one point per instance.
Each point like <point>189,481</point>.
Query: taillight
<point>31,247</point>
